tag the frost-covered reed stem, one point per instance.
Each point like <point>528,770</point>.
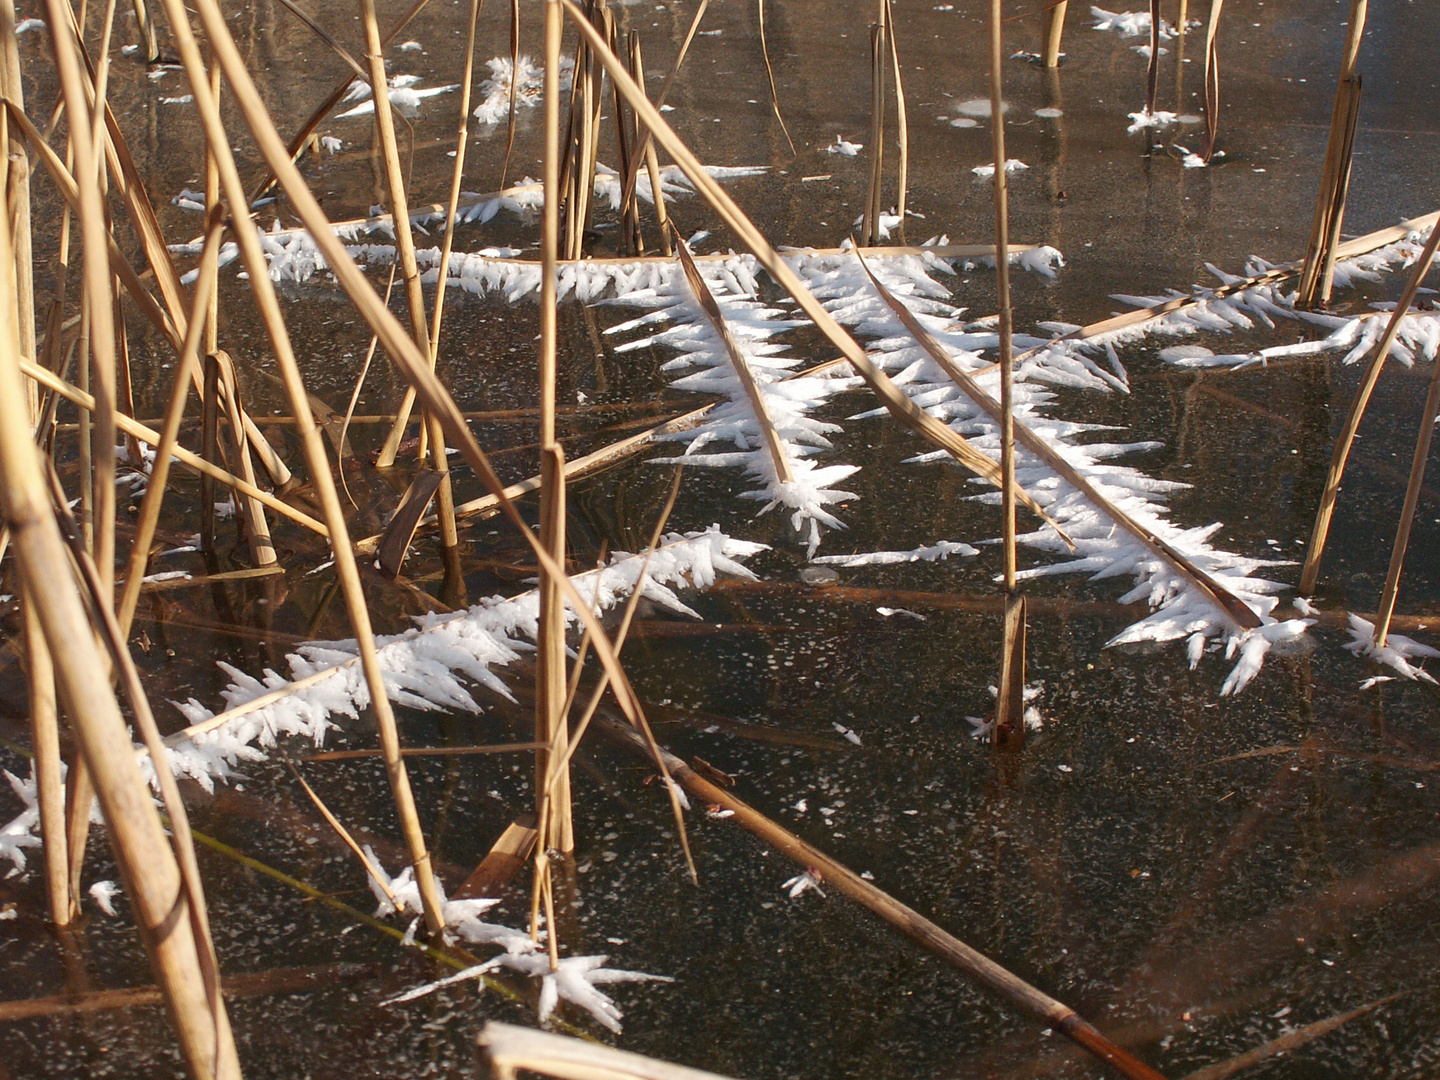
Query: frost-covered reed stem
<point>1335,173</point>
<point>1407,514</point>
<point>317,462</point>
<point>1321,529</point>
<point>553,809</point>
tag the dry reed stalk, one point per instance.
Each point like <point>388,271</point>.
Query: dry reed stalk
<point>647,149</point>
<point>911,923</point>
<point>1212,80</point>
<point>869,230</point>
<point>1335,173</point>
<point>706,300</point>
<point>514,89</point>
<point>184,849</point>
<point>50,787</point>
<point>252,511</point>
<point>152,876</point>
<point>17,197</point>
<point>149,516</point>
<point>321,477</point>
<point>307,130</point>
<point>648,138</point>
<point>1342,190</point>
<point>1236,608</point>
<point>895,401</point>
<point>621,633</point>
<point>511,1050</point>
<point>1407,513</point>
<point>902,118</point>
<point>769,74</point>
<point>552,794</point>
<point>1321,529</point>
<point>152,438</point>
<point>1010,704</point>
<point>626,143</point>
<point>96,277</point>
<point>1291,1040</point>
<point>146,28</point>
<point>370,869</point>
<point>402,349</point>
<point>1055,30</point>
<point>1152,68</point>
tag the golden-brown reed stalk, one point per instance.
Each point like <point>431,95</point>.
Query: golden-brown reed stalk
<point>553,800</point>
<point>902,118</point>
<point>999,980</point>
<point>647,138</point>
<point>511,1051</point>
<point>1335,173</point>
<point>50,788</point>
<point>151,437</point>
<point>152,876</point>
<point>17,197</point>
<point>411,361</point>
<point>1055,31</point>
<point>1212,80</point>
<point>1010,703</point>
<point>1407,513</point>
<point>770,73</point>
<point>318,464</point>
<point>1341,454</point>
<point>646,147</point>
<point>869,229</point>
<point>1152,68</point>
<point>514,88</point>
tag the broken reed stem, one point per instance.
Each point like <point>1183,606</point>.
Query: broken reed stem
<point>1212,80</point>
<point>344,835</point>
<point>1341,454</point>
<point>773,443</point>
<point>318,464</point>
<point>1342,188</point>
<point>1407,514</point>
<point>252,512</point>
<point>769,74</point>
<point>1009,725</point>
<point>553,798</point>
<point>148,865</point>
<point>1055,30</point>
<point>902,119</point>
<point>151,437</point>
<point>50,787</point>
<point>911,923</point>
<point>1335,173</point>
<point>870,229</point>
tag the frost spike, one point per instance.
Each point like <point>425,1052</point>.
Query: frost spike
<point>742,370</point>
<point>1228,601</point>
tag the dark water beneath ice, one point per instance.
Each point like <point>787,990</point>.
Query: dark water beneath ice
<point>1193,903</point>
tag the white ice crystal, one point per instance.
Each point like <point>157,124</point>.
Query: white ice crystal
<point>1396,653</point>
<point>1128,23</point>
